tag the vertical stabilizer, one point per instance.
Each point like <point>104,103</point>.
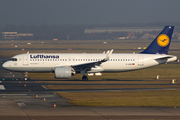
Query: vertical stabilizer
<point>161,43</point>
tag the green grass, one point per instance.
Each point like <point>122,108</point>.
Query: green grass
<point>163,98</point>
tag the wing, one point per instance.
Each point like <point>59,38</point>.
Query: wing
<point>89,65</point>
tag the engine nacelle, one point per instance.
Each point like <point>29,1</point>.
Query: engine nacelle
<point>62,72</point>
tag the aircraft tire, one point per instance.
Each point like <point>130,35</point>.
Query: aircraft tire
<point>85,78</point>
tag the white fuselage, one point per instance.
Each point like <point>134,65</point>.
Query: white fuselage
<point>46,62</point>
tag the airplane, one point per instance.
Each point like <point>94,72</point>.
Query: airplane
<point>65,65</point>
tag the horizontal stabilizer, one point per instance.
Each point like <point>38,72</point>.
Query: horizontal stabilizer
<point>165,57</point>
<point>169,58</point>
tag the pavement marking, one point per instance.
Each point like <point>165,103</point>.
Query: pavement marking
<point>2,87</point>
<point>43,86</point>
<point>21,104</point>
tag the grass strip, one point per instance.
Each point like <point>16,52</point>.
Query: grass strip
<point>160,98</point>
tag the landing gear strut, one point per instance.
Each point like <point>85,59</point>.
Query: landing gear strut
<point>85,78</point>
<point>26,74</point>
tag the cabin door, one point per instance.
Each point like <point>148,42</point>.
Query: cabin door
<point>140,61</point>
<point>25,60</point>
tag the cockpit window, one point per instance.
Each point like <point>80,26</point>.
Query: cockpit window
<point>13,59</point>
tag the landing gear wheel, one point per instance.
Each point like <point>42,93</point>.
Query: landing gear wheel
<point>85,78</point>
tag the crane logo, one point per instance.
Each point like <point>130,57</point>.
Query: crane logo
<point>163,40</point>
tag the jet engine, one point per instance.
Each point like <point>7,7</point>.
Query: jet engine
<point>63,72</point>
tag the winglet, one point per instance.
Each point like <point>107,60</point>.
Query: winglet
<point>108,55</point>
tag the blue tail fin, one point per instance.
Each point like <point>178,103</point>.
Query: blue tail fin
<point>161,43</point>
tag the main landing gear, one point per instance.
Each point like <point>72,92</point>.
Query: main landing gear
<point>84,78</point>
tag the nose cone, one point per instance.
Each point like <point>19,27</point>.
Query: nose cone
<point>5,65</point>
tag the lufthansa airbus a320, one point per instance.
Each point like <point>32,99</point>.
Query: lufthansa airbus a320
<point>65,65</point>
